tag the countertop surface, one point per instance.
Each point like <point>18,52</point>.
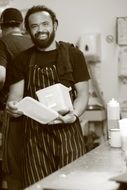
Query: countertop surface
<point>92,171</point>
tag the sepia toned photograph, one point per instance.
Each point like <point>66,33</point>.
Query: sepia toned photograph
<point>63,95</point>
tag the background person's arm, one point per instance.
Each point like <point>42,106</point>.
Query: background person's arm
<point>15,95</point>
<point>2,76</point>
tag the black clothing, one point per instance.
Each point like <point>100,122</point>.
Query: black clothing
<point>20,70</point>
<point>10,46</point>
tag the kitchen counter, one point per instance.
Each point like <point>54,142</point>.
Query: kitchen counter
<point>90,172</point>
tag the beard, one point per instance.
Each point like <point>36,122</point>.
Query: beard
<point>43,43</point>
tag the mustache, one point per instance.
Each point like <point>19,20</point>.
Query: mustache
<point>39,33</point>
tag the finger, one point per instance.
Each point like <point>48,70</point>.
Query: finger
<point>69,118</point>
<point>14,113</point>
<point>11,106</point>
<point>57,121</point>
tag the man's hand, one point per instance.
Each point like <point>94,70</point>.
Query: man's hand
<point>12,109</point>
<point>68,118</point>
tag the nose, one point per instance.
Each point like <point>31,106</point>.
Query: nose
<point>40,27</point>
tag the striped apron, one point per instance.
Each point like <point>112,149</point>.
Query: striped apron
<point>48,147</point>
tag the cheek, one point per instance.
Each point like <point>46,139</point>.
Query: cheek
<point>49,29</point>
<point>33,32</point>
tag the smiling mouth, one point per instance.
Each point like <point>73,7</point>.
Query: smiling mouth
<point>42,36</point>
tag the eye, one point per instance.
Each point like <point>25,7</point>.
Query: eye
<point>33,26</point>
<point>45,23</point>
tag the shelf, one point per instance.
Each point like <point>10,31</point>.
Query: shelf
<point>94,115</point>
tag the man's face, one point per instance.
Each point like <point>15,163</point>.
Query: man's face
<point>42,30</point>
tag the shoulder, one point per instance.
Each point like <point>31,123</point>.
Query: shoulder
<point>3,40</point>
<point>3,49</point>
<point>27,52</point>
<point>27,38</point>
<point>76,54</point>
<point>72,48</point>
<point>20,62</point>
<point>23,58</point>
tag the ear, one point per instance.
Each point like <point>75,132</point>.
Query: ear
<point>55,25</point>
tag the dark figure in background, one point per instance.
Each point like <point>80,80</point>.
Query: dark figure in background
<point>11,43</point>
<point>48,147</point>
<point>122,186</point>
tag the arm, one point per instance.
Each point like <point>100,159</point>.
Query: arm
<point>81,101</point>
<point>2,76</point>
<point>79,104</point>
<point>3,63</point>
<point>16,92</point>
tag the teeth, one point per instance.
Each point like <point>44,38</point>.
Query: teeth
<point>42,36</point>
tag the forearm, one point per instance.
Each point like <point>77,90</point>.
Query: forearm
<point>15,95</point>
<point>80,105</point>
<point>2,76</point>
<point>81,101</point>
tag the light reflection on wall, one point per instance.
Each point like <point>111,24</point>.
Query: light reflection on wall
<point>4,2</point>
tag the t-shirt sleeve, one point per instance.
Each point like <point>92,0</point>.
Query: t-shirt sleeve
<point>80,71</point>
<point>3,54</point>
<point>18,69</point>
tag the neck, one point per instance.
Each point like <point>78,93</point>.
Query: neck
<point>13,31</point>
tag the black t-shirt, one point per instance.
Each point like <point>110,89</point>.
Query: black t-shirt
<point>20,67</point>
<point>10,46</point>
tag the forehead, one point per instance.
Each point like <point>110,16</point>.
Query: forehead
<point>40,17</point>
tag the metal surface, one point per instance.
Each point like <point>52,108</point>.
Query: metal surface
<point>90,172</point>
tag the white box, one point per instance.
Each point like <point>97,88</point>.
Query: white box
<point>36,110</point>
<point>56,97</point>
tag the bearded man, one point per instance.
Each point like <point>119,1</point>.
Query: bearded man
<point>48,147</point>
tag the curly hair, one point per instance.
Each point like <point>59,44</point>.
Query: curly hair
<point>39,8</point>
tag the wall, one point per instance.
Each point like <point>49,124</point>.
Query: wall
<point>85,16</point>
